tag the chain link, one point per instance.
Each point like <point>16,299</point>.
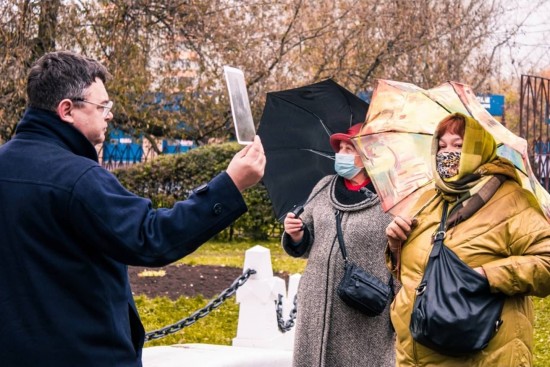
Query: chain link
<point>285,326</point>
<point>215,303</point>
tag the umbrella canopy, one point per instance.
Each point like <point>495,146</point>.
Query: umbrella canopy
<point>395,141</point>
<point>295,128</point>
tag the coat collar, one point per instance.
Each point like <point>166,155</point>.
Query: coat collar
<point>346,200</point>
<point>47,126</point>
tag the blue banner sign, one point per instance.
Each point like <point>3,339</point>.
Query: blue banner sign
<point>493,103</point>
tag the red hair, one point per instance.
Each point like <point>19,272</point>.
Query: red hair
<point>454,124</point>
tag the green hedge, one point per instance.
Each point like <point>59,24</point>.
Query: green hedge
<point>170,178</point>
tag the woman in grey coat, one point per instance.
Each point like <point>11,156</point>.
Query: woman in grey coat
<point>328,332</point>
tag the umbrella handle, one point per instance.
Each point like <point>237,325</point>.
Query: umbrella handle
<point>297,210</point>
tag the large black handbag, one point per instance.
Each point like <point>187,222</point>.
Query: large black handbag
<point>358,288</point>
<point>454,312</point>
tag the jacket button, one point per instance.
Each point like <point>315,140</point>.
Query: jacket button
<point>217,209</point>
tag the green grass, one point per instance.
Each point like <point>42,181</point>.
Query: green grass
<point>232,254</point>
<point>542,331</point>
<point>220,327</point>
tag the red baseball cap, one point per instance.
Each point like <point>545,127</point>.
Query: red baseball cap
<point>335,139</point>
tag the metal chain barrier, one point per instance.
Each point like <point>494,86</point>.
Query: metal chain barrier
<point>285,326</point>
<point>215,303</point>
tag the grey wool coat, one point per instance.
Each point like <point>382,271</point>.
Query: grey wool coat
<point>328,332</point>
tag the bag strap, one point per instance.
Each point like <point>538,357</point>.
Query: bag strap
<point>439,236</point>
<point>338,214</point>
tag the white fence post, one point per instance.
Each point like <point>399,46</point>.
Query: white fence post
<point>259,341</point>
<point>258,326</point>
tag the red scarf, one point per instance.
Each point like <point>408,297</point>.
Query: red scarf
<point>350,186</point>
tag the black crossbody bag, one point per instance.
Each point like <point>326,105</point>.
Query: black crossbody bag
<point>358,288</point>
<point>454,312</point>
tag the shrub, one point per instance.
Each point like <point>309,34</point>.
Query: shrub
<point>171,178</point>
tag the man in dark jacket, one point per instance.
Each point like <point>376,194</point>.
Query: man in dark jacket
<point>68,229</point>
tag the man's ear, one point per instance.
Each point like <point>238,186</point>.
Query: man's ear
<point>65,111</point>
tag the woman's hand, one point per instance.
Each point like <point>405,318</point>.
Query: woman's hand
<point>294,227</point>
<point>398,231</point>
<point>480,270</point>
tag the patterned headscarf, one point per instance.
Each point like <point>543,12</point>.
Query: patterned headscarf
<point>480,172</point>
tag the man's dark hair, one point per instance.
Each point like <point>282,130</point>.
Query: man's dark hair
<point>59,75</point>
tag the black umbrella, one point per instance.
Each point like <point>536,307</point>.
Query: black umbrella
<point>295,128</point>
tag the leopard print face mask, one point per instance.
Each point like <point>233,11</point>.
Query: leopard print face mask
<point>447,164</point>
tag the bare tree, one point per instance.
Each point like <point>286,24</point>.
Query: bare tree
<point>27,29</point>
<point>167,56</point>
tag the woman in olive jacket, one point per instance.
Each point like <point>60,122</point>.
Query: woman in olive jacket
<point>498,229</point>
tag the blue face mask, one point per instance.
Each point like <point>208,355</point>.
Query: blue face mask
<point>344,165</point>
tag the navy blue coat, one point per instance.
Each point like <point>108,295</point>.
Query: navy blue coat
<point>68,230</point>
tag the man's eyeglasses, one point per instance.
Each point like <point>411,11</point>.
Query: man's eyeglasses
<point>106,107</point>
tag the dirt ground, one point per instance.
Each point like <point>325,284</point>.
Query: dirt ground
<point>183,280</point>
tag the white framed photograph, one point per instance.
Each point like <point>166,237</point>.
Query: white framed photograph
<point>240,105</point>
